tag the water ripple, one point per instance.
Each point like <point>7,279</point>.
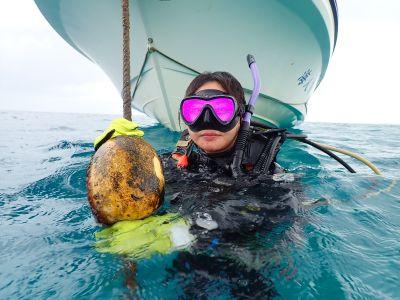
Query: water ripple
<point>343,241</point>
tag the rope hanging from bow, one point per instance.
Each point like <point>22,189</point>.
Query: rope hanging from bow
<point>126,72</point>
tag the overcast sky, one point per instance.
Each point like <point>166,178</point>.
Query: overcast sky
<point>41,72</point>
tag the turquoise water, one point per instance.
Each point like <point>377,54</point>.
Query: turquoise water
<point>343,243</point>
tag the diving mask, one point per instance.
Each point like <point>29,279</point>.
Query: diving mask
<point>210,109</point>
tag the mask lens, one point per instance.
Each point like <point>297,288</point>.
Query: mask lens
<point>224,108</point>
<point>192,108</point>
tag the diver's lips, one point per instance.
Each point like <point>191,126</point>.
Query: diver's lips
<point>209,134</point>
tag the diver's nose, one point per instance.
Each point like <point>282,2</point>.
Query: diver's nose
<point>207,116</point>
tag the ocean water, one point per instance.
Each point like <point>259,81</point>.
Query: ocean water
<point>344,242</point>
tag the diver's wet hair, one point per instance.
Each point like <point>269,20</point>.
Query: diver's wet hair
<point>230,84</point>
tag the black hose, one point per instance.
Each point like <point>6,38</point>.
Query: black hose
<point>303,138</point>
<point>265,162</point>
<point>239,149</point>
<point>330,153</point>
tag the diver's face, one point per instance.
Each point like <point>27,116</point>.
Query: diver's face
<point>214,141</point>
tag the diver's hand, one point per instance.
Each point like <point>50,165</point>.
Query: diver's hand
<point>117,127</point>
<point>143,238</point>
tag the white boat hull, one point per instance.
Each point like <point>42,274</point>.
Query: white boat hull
<point>291,40</point>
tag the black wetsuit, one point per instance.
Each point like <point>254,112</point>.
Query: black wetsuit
<point>228,218</point>
<point>259,155</point>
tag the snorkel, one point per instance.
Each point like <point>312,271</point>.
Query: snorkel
<point>245,124</point>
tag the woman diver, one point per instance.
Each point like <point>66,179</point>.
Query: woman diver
<point>206,211</point>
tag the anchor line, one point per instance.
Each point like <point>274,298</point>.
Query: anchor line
<point>126,72</point>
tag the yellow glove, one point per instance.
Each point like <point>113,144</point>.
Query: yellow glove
<point>143,238</point>
<point>119,126</point>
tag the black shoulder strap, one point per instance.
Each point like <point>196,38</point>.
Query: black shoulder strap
<point>274,139</point>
